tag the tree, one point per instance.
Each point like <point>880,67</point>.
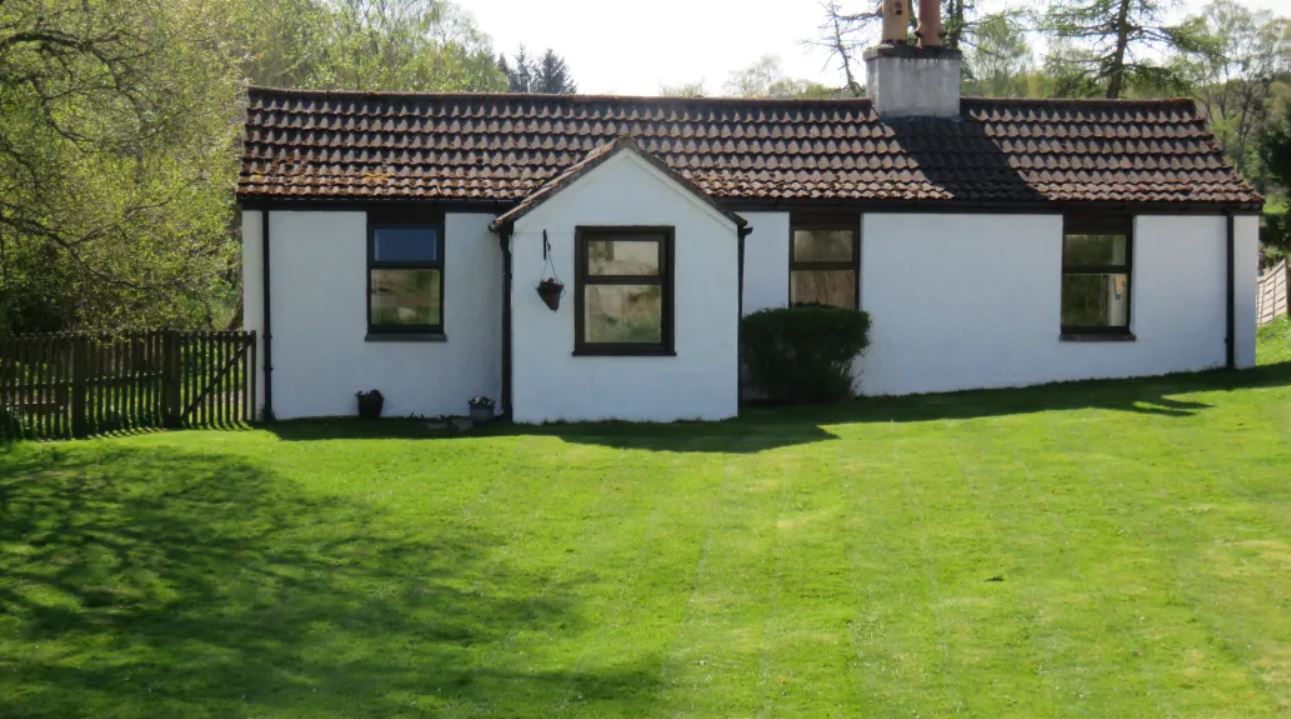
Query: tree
<point>1234,84</point>
<point>765,78</point>
<point>357,44</point>
<point>1112,42</point>
<point>119,126</point>
<point>117,129</point>
<point>520,74</point>
<point>846,33</point>
<point>1275,153</point>
<point>402,45</point>
<point>504,67</point>
<point>999,59</point>
<point>959,25</point>
<point>552,76</point>
<point>686,89</point>
<point>548,73</point>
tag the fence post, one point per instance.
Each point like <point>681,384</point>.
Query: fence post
<point>80,388</point>
<point>170,379</point>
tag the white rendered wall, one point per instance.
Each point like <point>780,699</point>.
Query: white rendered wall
<point>252,294</point>
<point>766,261</point>
<point>1246,271</point>
<point>318,265</point>
<point>700,382</point>
<point>974,300</point>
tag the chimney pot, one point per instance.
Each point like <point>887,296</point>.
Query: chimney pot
<point>929,30</point>
<point>896,21</point>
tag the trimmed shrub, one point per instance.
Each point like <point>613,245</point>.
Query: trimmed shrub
<point>803,353</point>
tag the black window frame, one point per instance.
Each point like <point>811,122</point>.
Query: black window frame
<point>664,235</point>
<point>405,219</point>
<point>849,224</point>
<point>1084,224</point>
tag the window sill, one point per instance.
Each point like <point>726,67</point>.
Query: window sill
<point>405,337</point>
<point>623,352</point>
<point>1097,337</point>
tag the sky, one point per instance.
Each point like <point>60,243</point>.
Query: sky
<point>615,47</point>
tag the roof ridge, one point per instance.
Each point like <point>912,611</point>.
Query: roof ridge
<point>576,98</point>
<point>1100,101</point>
<point>570,98</point>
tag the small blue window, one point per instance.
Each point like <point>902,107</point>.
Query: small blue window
<point>405,244</point>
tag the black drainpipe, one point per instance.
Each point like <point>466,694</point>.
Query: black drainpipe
<point>504,238</point>
<point>741,233</point>
<point>1230,340</point>
<point>268,334</point>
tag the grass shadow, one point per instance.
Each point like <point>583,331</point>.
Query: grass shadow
<point>147,583</point>
<point>1154,396</point>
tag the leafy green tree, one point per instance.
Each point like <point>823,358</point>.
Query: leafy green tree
<point>959,24</point>
<point>1112,43</point>
<point>402,45</point>
<point>765,78</point>
<point>999,58</point>
<point>282,42</point>
<point>1234,84</point>
<point>119,126</point>
<point>116,162</point>
<point>685,89</point>
<point>1275,153</point>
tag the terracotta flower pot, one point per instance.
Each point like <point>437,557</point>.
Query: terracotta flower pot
<point>550,290</point>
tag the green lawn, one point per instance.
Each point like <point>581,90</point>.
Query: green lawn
<point>1101,550</point>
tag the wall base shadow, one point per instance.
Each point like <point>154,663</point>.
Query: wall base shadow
<point>764,427</point>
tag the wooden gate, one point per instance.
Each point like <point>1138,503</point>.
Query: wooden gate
<point>78,384</point>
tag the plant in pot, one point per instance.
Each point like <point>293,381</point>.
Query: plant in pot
<point>481,409</point>
<point>370,404</point>
<point>550,290</point>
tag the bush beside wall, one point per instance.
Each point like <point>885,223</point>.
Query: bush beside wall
<point>804,353</point>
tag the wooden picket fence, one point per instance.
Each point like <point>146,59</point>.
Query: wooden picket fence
<point>79,384</point>
<point>1273,293</point>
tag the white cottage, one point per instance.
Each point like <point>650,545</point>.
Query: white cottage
<point>395,241</point>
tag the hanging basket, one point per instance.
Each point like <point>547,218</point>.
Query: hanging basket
<point>551,290</point>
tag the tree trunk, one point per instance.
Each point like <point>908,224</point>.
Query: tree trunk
<point>1116,73</point>
<point>954,23</point>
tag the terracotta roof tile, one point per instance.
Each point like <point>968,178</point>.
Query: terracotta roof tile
<point>501,148</point>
